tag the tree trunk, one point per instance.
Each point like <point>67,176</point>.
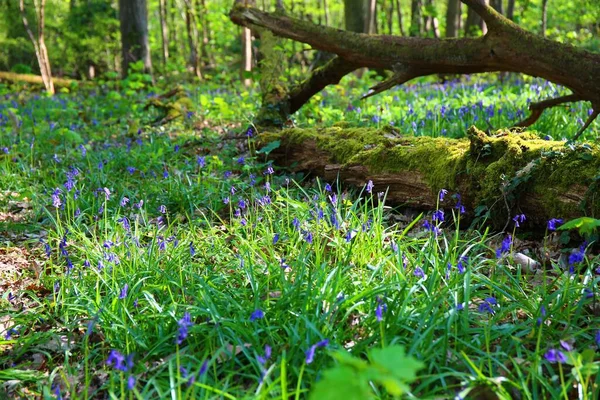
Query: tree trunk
<point>510,10</point>
<point>416,18</point>
<point>133,16</point>
<point>164,30</point>
<point>497,5</point>
<point>192,32</point>
<point>354,15</point>
<point>246,55</point>
<point>506,47</point>
<point>39,45</point>
<point>400,24</point>
<point>432,24</point>
<point>371,18</point>
<point>474,24</point>
<point>412,170</point>
<point>453,18</point>
<point>544,17</point>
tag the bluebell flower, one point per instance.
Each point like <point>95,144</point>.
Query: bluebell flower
<point>124,290</point>
<point>327,187</point>
<point>275,238</point>
<point>438,215</point>
<point>184,324</point>
<point>119,361</point>
<point>192,249</point>
<point>201,161</point>
<point>125,222</point>
<point>250,132</point>
<point>131,170</point>
<point>519,219</point>
<point>269,170</point>
<point>566,345</point>
<point>241,161</point>
<point>597,338</point>
<point>380,309</point>
<point>131,382</point>
<point>308,236</point>
<point>505,247</point>
<point>555,356</point>
<point>124,201</point>
<point>203,368</point>
<point>265,358</point>
<point>296,223</point>
<point>552,224</point>
<point>419,273</point>
<point>487,305</point>
<point>442,194</point>
<point>310,353</point>
<point>370,186</point>
<point>257,314</point>
<point>162,209</point>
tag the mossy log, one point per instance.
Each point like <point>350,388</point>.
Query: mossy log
<point>35,79</point>
<point>505,47</point>
<point>506,172</point>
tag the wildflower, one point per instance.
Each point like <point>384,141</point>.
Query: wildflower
<point>566,345</point>
<point>56,202</point>
<point>203,368</point>
<point>131,170</point>
<point>460,266</point>
<point>250,132</point>
<point>257,314</point>
<point>487,305</point>
<point>327,187</point>
<point>125,222</point>
<point>443,194</point>
<point>184,323</point>
<point>519,218</point>
<point>124,201</point>
<point>438,215</point>
<point>333,199</point>
<point>226,200</point>
<point>552,224</point>
<point>310,353</point>
<point>106,193</point>
<point>308,236</point>
<point>369,187</point>
<point>123,293</point>
<point>56,390</point>
<point>380,309</point>
<point>162,209</point>
<point>505,247</point>
<point>269,171</point>
<point>576,257</point>
<point>241,160</point>
<point>267,187</point>
<point>139,205</point>
<point>119,361</point>
<point>162,245</point>
<point>296,223</point>
<point>275,238</point>
<point>554,356</point>
<point>597,338</point>
<point>265,358</point>
<point>242,204</point>
<point>349,235</point>
<point>131,382</point>
<point>201,161</point>
<point>227,174</point>
<point>192,249</point>
<point>419,272</point>
<point>542,315</point>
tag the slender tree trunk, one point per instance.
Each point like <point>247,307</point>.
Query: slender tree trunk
<point>433,24</point>
<point>475,22</point>
<point>416,18</point>
<point>133,15</point>
<point>400,24</point>
<point>497,5</point>
<point>246,55</point>
<point>544,17</point>
<point>326,12</point>
<point>390,17</point>
<point>207,56</point>
<point>173,40</point>
<point>192,32</point>
<point>354,15</point>
<point>164,30</point>
<point>371,17</point>
<point>39,45</point>
<point>510,10</point>
<point>453,18</point>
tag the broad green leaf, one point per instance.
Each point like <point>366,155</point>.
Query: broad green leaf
<point>270,147</point>
<point>341,383</point>
<point>395,361</point>
<point>584,225</point>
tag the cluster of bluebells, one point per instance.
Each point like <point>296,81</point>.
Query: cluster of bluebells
<point>558,355</point>
<point>488,304</point>
<point>123,363</point>
<point>310,353</point>
<point>184,324</point>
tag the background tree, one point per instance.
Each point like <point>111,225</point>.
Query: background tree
<point>41,52</point>
<point>453,18</point>
<point>133,16</point>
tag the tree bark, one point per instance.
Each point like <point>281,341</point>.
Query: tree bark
<point>133,16</point>
<point>453,18</point>
<point>510,10</point>
<point>39,45</point>
<point>412,170</point>
<point>164,30</point>
<point>497,5</point>
<point>400,21</point>
<point>371,17</point>
<point>416,18</point>
<point>544,17</point>
<point>193,37</point>
<point>506,47</point>
<point>474,23</point>
<point>354,15</point>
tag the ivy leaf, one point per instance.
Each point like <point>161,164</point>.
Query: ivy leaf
<point>341,383</point>
<point>394,360</point>
<point>584,225</point>
<point>270,147</point>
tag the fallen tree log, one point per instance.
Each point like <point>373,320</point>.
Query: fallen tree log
<point>506,173</point>
<point>505,47</point>
<point>35,79</point>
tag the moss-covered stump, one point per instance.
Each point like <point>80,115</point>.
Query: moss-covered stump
<point>12,77</point>
<point>506,172</point>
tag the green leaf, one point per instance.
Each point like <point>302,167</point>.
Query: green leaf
<point>341,383</point>
<point>347,359</point>
<point>394,360</point>
<point>270,147</point>
<point>584,225</point>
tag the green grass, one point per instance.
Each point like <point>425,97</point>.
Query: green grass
<point>334,262</point>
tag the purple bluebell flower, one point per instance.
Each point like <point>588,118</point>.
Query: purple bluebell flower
<point>555,356</point>
<point>241,160</point>
<point>124,290</point>
<point>443,194</point>
<point>257,314</point>
<point>308,236</point>
<point>269,171</point>
<point>250,132</point>
<point>162,209</point>
<point>553,223</point>
<point>119,361</point>
<point>597,338</point>
<point>227,174</point>
<point>296,223</point>
<point>327,187</point>
<point>460,266</point>
<point>265,358</point>
<point>505,247</point>
<point>125,222</point>
<point>192,249</point>
<point>275,238</point>
<point>201,161</point>
<point>203,368</point>
<point>56,201</point>
<point>369,187</point>
<point>131,382</point>
<point>380,309</point>
<point>131,170</point>
<point>310,353</point>
<point>162,245</point>
<point>184,324</point>
<point>419,273</point>
<point>566,345</point>
<point>487,305</point>
<point>124,201</point>
<point>519,218</point>
<point>438,215</point>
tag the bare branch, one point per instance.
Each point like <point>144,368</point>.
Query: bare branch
<point>589,121</point>
<point>538,108</point>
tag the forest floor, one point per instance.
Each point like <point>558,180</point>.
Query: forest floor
<point>149,260</point>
